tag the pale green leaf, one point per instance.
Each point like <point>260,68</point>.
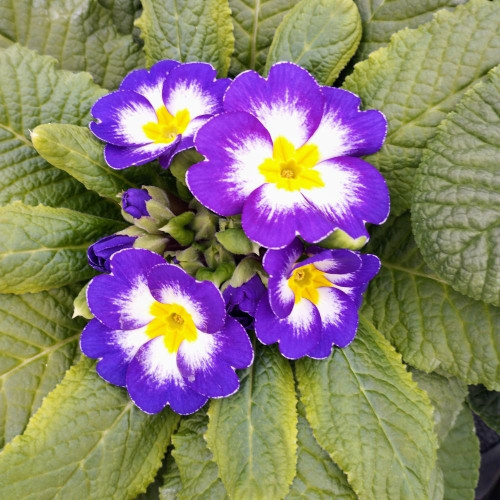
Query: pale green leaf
<point>447,396</point>
<point>80,306</point>
<point>188,30</point>
<point>418,78</point>
<point>430,324</point>
<point>382,18</point>
<point>38,341</point>
<point>487,405</point>
<point>87,440</point>
<point>75,150</point>
<point>456,203</point>
<point>123,13</point>
<point>35,92</point>
<point>199,474</point>
<point>45,247</point>
<point>458,458</point>
<point>252,434</point>
<point>80,34</point>
<point>319,35</point>
<point>370,416</point>
<point>318,477</point>
<point>255,23</point>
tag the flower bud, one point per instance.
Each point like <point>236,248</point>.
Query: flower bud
<point>340,239</point>
<point>134,202</point>
<point>99,253</point>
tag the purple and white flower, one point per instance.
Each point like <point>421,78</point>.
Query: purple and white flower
<point>155,113</point>
<point>284,154</point>
<point>162,334</point>
<point>313,304</point>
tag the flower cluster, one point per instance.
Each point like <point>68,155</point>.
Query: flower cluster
<point>247,248</point>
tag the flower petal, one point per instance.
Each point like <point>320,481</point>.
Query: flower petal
<point>170,284</point>
<point>236,348</point>
<point>153,381</point>
<point>235,144</point>
<point>123,157</point>
<point>337,261</point>
<point>289,103</point>
<point>344,129</point>
<point>121,116</point>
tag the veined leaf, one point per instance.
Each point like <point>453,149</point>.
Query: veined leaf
<point>430,324</point>
<point>369,415</point>
<point>35,92</point>
<point>447,396</point>
<point>383,18</point>
<point>255,23</point>
<point>44,248</point>
<point>188,30</point>
<point>456,203</point>
<point>38,341</point>
<point>252,434</point>
<point>458,458</point>
<point>418,78</point>
<point>75,150</point>
<point>85,433</point>
<point>318,477</point>
<point>171,481</point>
<point>80,34</point>
<point>123,13</point>
<point>487,405</point>
<point>319,35</point>
<point>199,474</point>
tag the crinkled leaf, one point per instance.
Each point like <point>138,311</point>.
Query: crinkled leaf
<point>252,434</point>
<point>85,433</point>
<point>487,405</point>
<point>371,417</point>
<point>318,477</point>
<point>381,19</point>
<point>430,324</point>
<point>456,203</point>
<point>188,30</point>
<point>255,24</point>
<point>458,458</point>
<point>38,340</point>
<point>319,35</point>
<point>43,247</point>
<point>447,396</point>
<point>198,472</point>
<point>171,481</point>
<point>75,150</point>
<point>35,92</point>
<point>80,34</point>
<point>123,13</point>
<point>418,78</point>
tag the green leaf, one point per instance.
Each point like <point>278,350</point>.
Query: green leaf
<point>234,240</point>
<point>381,19</point>
<point>418,78</point>
<point>252,434</point>
<point>123,13</point>
<point>80,306</point>
<point>255,23</point>
<point>45,247</point>
<point>199,474</point>
<point>318,477</point>
<point>486,404</point>
<point>38,341</point>
<point>75,150</point>
<point>456,204</point>
<point>38,93</point>
<point>447,396</point>
<point>171,481</point>
<point>188,30</point>
<point>80,34</point>
<point>458,458</point>
<point>85,433</point>
<point>319,35</point>
<point>430,324</point>
<point>369,415</point>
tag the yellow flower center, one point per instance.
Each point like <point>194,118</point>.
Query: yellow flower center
<point>168,126</point>
<point>305,282</point>
<point>291,168</point>
<point>174,323</point>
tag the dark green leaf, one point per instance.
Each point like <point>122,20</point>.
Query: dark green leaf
<point>487,405</point>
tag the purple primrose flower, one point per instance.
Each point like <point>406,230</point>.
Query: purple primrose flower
<point>284,154</point>
<point>134,202</point>
<point>99,253</point>
<point>155,113</point>
<point>313,304</point>
<point>162,334</point>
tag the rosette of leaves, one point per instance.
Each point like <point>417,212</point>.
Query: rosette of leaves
<point>383,418</point>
